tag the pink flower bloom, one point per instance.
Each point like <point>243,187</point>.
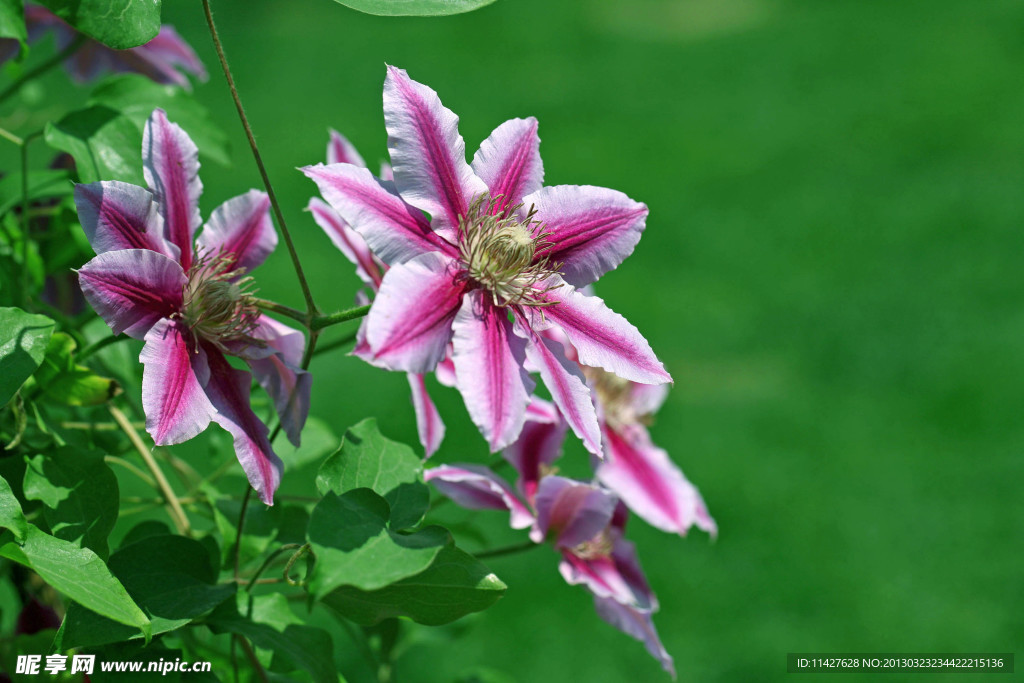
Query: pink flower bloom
<point>498,262</point>
<point>192,304</point>
<point>160,59</point>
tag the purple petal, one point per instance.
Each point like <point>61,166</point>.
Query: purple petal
<point>116,215</point>
<point>395,231</point>
<point>170,164</point>
<point>609,571</point>
<point>173,398</point>
<point>638,624</point>
<point>228,390</point>
<point>428,420</point>
<point>538,445</point>
<point>427,152</point>
<point>341,151</point>
<point>288,386</point>
<point>132,289</point>
<point>602,337</point>
<point>240,227</point>
<point>410,324</point>
<point>489,370</point>
<point>568,388</point>
<point>445,371</point>
<point>169,50</point>
<point>644,477</point>
<point>508,161</point>
<point>593,228</point>
<point>348,241</point>
<point>570,512</point>
<point>647,399</point>
<point>477,488</point>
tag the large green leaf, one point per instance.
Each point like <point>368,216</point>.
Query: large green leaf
<point>414,8</point>
<point>169,576</point>
<point>367,459</point>
<point>11,515</point>
<point>80,494</point>
<point>120,24</point>
<point>12,21</point>
<point>23,340</point>
<point>271,625</point>
<point>454,585</point>
<point>105,144</point>
<point>60,380</point>
<point>79,574</point>
<point>354,547</point>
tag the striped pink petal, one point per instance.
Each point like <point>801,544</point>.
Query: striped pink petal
<point>489,370</point>
<point>410,324</point>
<point>228,390</point>
<point>116,215</point>
<point>477,488</point>
<point>428,421</point>
<point>394,230</point>
<point>240,227</point>
<point>593,229</point>
<point>570,512</point>
<point>167,52</point>
<point>288,386</point>
<point>508,161</point>
<point>348,241</point>
<point>427,153</point>
<point>170,164</point>
<point>132,289</point>
<point>341,151</point>
<point>638,624</point>
<point>538,445</point>
<point>175,372</point>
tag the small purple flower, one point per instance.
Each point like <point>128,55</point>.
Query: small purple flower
<point>162,59</point>
<point>497,263</point>
<point>193,305</point>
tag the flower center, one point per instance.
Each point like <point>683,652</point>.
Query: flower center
<point>499,250</point>
<point>597,547</point>
<point>218,304</point>
<point>615,396</point>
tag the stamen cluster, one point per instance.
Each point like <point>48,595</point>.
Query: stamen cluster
<point>218,302</point>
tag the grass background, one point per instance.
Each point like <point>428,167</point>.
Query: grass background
<point>831,271</point>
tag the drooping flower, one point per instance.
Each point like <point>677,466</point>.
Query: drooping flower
<point>498,262</point>
<point>193,303</point>
<point>371,271</point>
<point>162,59</point>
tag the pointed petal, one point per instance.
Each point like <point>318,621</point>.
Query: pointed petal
<point>644,477</point>
<point>593,229</point>
<point>570,512</point>
<point>288,386</point>
<point>348,241</point>
<point>170,164</point>
<point>241,226</point>
<point>341,151</point>
<point>602,337</point>
<point>132,289</point>
<point>445,370</point>
<point>428,420</point>
<point>228,390</point>
<point>427,152</point>
<point>173,398</point>
<point>410,324</point>
<point>638,624</point>
<point>489,370</point>
<point>477,488</point>
<point>171,50</point>
<point>614,573</point>
<point>118,215</point>
<point>508,161</point>
<point>538,445</point>
<point>395,231</point>
<point>567,385</point>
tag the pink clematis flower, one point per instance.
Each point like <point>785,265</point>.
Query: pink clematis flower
<point>371,271</point>
<point>192,304</point>
<point>162,59</point>
<point>497,263</point>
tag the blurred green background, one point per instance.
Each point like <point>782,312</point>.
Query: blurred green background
<point>831,271</point>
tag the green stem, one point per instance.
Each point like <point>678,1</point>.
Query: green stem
<point>507,550</point>
<point>306,293</point>
<point>237,550</point>
<point>338,343</point>
<point>322,321</point>
<point>100,345</point>
<point>281,309</point>
<point>43,68</point>
<point>266,563</point>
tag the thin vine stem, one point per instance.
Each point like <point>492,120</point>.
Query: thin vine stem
<point>311,308</point>
<point>337,343</point>
<point>101,344</point>
<point>237,550</point>
<point>38,71</point>
<point>322,321</point>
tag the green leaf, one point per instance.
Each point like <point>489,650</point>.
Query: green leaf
<point>273,626</point>
<point>24,338</point>
<point>79,574</point>
<point>60,380</point>
<point>171,577</point>
<point>367,459</point>
<point>12,21</point>
<point>354,547</point>
<point>80,494</point>
<point>105,144</point>
<point>11,515</point>
<point>135,97</point>
<point>414,8</point>
<point>119,24</point>
<point>454,585</point>
<point>318,441</point>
